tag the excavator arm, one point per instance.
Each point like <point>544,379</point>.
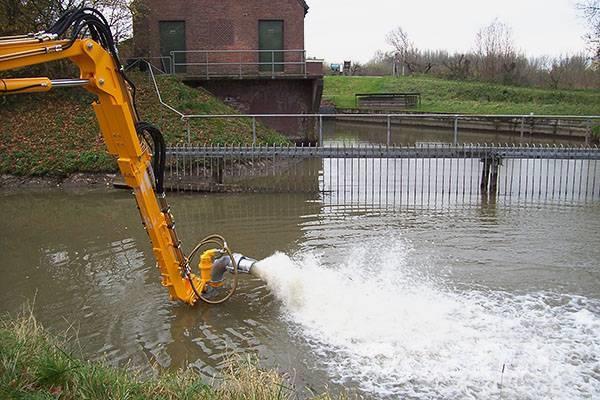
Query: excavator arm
<point>101,73</point>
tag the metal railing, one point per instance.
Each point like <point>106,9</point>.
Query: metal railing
<point>421,150</point>
<point>409,174</point>
<point>521,124</point>
<point>239,63</point>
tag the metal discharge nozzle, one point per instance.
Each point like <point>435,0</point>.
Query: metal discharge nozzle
<point>224,264</point>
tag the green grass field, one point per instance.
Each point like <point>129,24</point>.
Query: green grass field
<point>445,96</point>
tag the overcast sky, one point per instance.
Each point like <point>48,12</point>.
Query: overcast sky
<point>339,30</point>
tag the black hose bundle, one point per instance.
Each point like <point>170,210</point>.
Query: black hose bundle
<point>82,19</point>
<point>78,19</point>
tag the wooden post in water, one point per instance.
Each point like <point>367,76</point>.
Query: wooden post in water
<point>485,175</point>
<point>495,166</point>
<point>217,172</point>
<point>489,174</point>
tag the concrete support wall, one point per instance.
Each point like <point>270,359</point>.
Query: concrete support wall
<point>272,96</point>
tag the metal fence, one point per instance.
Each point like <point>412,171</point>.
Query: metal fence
<point>396,175</point>
<point>239,63</point>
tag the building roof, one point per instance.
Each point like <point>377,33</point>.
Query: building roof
<point>306,7</point>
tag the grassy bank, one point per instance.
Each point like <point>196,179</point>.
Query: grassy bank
<point>57,134</point>
<point>439,95</point>
<point>37,365</point>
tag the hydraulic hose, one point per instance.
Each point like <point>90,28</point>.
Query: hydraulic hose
<point>220,242</point>
<point>160,152</point>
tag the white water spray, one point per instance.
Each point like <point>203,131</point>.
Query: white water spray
<point>397,332</point>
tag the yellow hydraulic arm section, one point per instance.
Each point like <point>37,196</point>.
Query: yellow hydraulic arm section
<point>100,74</point>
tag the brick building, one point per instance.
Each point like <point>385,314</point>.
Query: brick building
<point>225,31</point>
<point>249,53</point>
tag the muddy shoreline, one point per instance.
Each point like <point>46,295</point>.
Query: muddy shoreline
<point>77,180</point>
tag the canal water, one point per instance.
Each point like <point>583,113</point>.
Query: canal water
<point>483,299</point>
<point>365,133</point>
<point>403,298</point>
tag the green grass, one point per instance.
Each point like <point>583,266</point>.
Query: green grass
<point>445,96</point>
<point>37,365</point>
<point>56,133</point>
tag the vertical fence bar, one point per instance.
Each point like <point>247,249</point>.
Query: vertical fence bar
<point>580,178</point>
<point>401,180</point>
<point>526,176</point>
<point>395,178</point>
<point>450,181</point>
<point>352,178</point>
<point>522,129</point>
<point>272,64</point>
<point>587,179</point>
<point>567,179</point>
<point>443,178</point>
<point>372,181</point>
<point>408,180</point>
<point>594,180</point>
<point>533,177</point>
<point>541,175</point>
<point>503,171</point>
<point>389,130</point>
<point>554,177</point>
<point>472,167</point>
<point>456,130</point>
<point>560,179</point>
<point>380,172</point>
<point>547,179</point>
<point>304,63</point>
<point>253,130</point>
<point>422,178</point>
<point>436,180</point>
<point>321,130</point>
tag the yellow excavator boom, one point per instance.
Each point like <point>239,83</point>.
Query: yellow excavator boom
<point>115,111</point>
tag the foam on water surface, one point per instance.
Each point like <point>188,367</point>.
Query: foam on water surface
<point>395,330</point>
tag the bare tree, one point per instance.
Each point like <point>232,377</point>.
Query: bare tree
<point>119,14</point>
<point>24,16</point>
<point>590,10</point>
<point>404,47</point>
<point>496,52</point>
